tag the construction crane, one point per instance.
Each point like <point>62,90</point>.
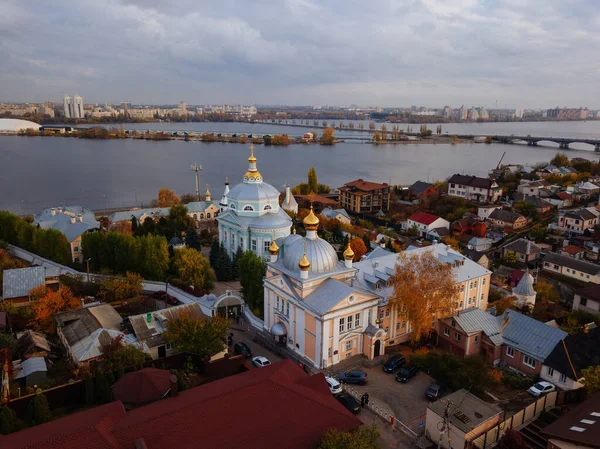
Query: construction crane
<point>500,161</point>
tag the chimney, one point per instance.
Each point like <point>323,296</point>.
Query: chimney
<point>80,218</point>
<point>73,220</point>
<point>174,386</point>
<point>53,211</point>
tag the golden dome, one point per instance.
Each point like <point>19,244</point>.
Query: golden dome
<point>274,249</point>
<point>251,158</point>
<point>304,263</point>
<point>293,229</point>
<point>252,174</point>
<point>348,253</point>
<point>311,221</point>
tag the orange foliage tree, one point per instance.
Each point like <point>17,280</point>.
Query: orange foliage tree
<point>426,287</point>
<point>167,198</point>
<point>359,248</point>
<point>50,303</point>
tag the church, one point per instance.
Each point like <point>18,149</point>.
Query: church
<point>250,217</point>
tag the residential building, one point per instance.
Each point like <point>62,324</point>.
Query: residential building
<point>464,225</point>
<point>30,372</point>
<point>484,211</point>
<point>469,418</point>
<point>561,200</point>
<point>525,250</point>
<point>587,299</point>
<point>421,189</point>
<point>338,214</point>
<point>203,210</point>
<point>577,221</point>
<point>318,202</point>
<point>578,428</point>
<point>473,188</point>
<point>289,202</point>
<point>575,353</point>
<point>253,218</point>
<point>521,342</point>
<point>72,221</point>
<point>577,252</point>
<point>85,332</point>
<point>573,268</point>
<point>182,108</point>
<point>73,106</point>
<point>364,197</point>
<point>477,256</point>
<point>18,282</point>
<point>33,344</point>
<point>425,222</point>
<point>532,188</point>
<point>291,394</point>
<point>507,219</point>
<point>541,205</point>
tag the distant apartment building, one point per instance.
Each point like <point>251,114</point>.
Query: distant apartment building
<point>73,106</point>
<point>182,108</point>
<point>447,112</point>
<point>364,197</point>
<point>518,114</point>
<point>568,113</point>
<point>473,188</point>
<point>229,109</point>
<point>125,105</point>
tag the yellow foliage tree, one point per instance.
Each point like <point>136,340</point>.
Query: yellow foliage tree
<point>426,287</point>
<point>167,198</point>
<point>328,138</point>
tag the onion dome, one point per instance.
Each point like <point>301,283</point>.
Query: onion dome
<point>293,229</point>
<point>274,249</point>
<point>304,264</point>
<point>252,175</point>
<point>311,221</point>
<point>348,253</point>
<point>207,194</point>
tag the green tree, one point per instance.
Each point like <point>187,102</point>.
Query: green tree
<point>192,239</point>
<point>527,209</point>
<point>591,380</point>
<point>153,257</point>
<point>90,397</point>
<point>8,342</point>
<point>119,356</point>
<point>102,387</point>
<point>41,409</point>
<point>203,336</point>
<point>364,437</point>
<point>510,257</point>
<point>9,422</point>
<point>193,268</point>
<point>134,226</point>
<point>120,287</point>
<point>252,271</point>
<point>313,182</point>
<point>235,263</point>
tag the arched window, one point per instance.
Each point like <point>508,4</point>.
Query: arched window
<point>267,207</point>
<point>201,216</point>
<point>208,215</point>
<point>232,206</point>
<point>196,216</point>
<point>249,208</point>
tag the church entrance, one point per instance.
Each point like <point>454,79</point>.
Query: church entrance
<point>377,351</point>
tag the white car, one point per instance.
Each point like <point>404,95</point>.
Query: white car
<point>260,361</point>
<point>334,386</point>
<point>541,388</point>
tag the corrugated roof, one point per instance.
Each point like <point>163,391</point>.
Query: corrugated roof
<point>30,366</point>
<point>570,262</point>
<point>423,218</point>
<point>61,219</point>
<point>474,320</point>
<point>524,246</point>
<point>19,281</point>
<point>467,411</point>
<point>584,417</point>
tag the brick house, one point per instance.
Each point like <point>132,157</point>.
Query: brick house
<point>577,220</point>
<point>421,189</point>
<point>364,197</point>
<point>513,339</point>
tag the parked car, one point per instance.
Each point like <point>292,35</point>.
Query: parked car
<point>434,391</point>
<point>353,377</point>
<point>349,402</point>
<point>242,348</point>
<point>334,386</point>
<point>260,361</point>
<point>406,373</point>
<point>541,388</point>
<point>393,363</point>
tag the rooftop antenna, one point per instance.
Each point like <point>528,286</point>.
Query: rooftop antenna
<point>197,168</point>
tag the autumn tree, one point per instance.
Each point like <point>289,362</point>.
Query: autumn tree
<point>167,198</point>
<point>51,303</point>
<point>510,257</point>
<point>506,302</point>
<point>203,336</point>
<point>313,181</point>
<point>193,269</point>
<point>591,380</point>
<point>547,292</point>
<point>372,126</point>
<point>280,140</point>
<point>426,287</point>
<point>328,137</point>
<point>359,248</point>
<point>118,355</point>
<point>560,160</point>
<point>118,288</point>
<point>364,437</point>
<point>252,270</point>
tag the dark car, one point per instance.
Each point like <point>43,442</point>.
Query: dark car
<point>406,373</point>
<point>242,348</point>
<point>349,402</point>
<point>433,392</point>
<point>393,363</point>
<point>353,377</point>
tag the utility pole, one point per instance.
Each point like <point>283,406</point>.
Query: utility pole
<point>87,261</point>
<point>197,168</point>
<point>445,426</point>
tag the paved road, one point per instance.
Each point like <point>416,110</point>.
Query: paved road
<point>256,349</point>
<point>389,437</point>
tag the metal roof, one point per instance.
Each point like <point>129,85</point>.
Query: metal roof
<point>61,219</point>
<point>475,320</point>
<point>19,281</point>
<point>525,286</point>
<point>467,411</point>
<point>328,294</point>
<point>30,366</point>
<point>570,262</point>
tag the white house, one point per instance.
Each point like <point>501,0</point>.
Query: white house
<point>473,188</point>
<point>426,222</point>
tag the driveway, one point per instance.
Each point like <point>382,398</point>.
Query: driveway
<point>256,349</point>
<point>404,401</point>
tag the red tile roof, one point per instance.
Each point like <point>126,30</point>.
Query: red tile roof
<point>564,195</point>
<point>276,406</point>
<point>143,386</point>
<point>572,249</point>
<point>364,185</point>
<point>423,218</point>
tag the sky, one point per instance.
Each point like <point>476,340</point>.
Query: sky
<point>513,53</point>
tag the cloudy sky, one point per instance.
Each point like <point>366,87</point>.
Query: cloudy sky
<point>520,53</point>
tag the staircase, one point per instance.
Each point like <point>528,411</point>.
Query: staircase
<point>532,432</point>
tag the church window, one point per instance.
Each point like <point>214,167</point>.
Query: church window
<point>266,245</point>
<point>201,216</point>
<point>357,320</point>
<point>349,323</point>
<point>254,245</point>
<point>267,207</point>
<point>348,345</point>
<point>225,236</point>
<point>277,308</point>
<point>381,314</point>
<point>342,323</point>
<point>232,206</point>
<point>387,312</point>
<point>287,309</point>
<point>249,208</point>
<point>208,215</point>
<point>242,243</point>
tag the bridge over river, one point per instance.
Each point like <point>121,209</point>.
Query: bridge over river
<point>563,142</point>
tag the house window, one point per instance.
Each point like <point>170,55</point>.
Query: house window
<point>329,352</point>
<point>348,345</point>
<point>482,296</point>
<point>510,352</point>
<point>76,248</point>
<point>342,324</point>
<point>253,244</point>
<point>550,371</point>
<point>208,215</point>
<point>456,336</point>
<point>381,314</point>
<point>474,284</point>
<point>446,331</point>
<point>357,320</point>
<point>483,282</point>
<point>387,328</point>
<point>387,312</point>
<point>528,361</point>
<point>277,303</point>
<point>476,339</point>
<point>287,309</point>
<point>583,302</point>
<point>453,323</point>
<point>403,324</point>
<point>168,346</point>
<point>266,245</point>
<point>563,378</point>
<point>397,326</point>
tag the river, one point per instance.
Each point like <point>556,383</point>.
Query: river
<point>39,172</point>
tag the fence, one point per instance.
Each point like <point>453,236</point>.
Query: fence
<point>383,413</point>
<point>529,413</point>
<point>253,320</point>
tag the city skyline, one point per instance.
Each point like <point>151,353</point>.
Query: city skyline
<point>304,52</point>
